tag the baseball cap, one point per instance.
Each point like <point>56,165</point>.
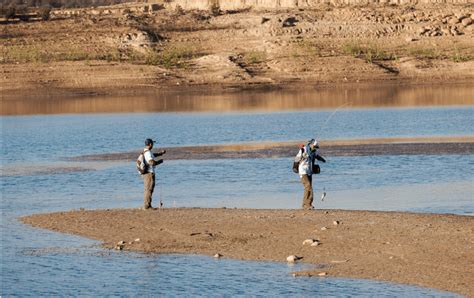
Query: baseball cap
<point>149,142</point>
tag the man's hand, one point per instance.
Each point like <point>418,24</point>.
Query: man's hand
<point>160,161</point>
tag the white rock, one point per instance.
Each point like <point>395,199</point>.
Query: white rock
<point>322,274</point>
<point>217,256</point>
<point>293,258</point>
<point>315,243</point>
<point>324,229</point>
<point>308,241</point>
<point>137,240</point>
<point>121,242</point>
<point>336,222</point>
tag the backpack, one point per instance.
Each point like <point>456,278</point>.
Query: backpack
<point>142,166</point>
<point>296,164</point>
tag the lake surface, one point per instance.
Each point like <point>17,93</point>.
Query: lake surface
<point>36,177</point>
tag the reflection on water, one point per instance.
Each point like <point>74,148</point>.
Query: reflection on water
<point>363,96</point>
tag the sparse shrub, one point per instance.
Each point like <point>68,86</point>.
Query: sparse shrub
<point>215,9</point>
<point>425,53</point>
<point>45,13</point>
<point>368,53</point>
<point>170,57</point>
<point>254,57</point>
<point>458,56</point>
<point>10,12</point>
<point>178,10</point>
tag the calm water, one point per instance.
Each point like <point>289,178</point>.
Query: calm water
<point>40,262</point>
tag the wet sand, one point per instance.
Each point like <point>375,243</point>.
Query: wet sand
<point>428,250</point>
<point>356,147</point>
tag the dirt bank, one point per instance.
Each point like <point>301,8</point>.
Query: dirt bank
<point>422,249</point>
<point>361,147</point>
<point>128,51</point>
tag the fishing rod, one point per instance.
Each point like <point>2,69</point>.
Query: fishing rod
<point>323,195</point>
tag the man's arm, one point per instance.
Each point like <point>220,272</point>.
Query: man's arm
<point>159,153</point>
<point>319,157</point>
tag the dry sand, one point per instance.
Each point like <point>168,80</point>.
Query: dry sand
<point>428,250</point>
<point>100,52</point>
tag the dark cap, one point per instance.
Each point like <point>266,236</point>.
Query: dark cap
<point>149,142</point>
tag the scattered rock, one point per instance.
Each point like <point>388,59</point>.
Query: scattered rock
<point>315,243</point>
<point>121,243</point>
<point>217,256</point>
<point>289,22</point>
<point>137,240</point>
<point>324,229</point>
<point>336,222</point>
<point>322,274</point>
<point>308,241</point>
<point>466,22</point>
<point>293,258</point>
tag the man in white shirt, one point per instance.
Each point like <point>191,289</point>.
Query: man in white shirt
<point>149,176</point>
<point>306,158</point>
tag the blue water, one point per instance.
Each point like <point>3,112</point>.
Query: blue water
<point>53,136</point>
<point>36,178</point>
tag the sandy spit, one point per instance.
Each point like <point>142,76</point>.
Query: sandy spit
<point>429,250</point>
<point>267,149</point>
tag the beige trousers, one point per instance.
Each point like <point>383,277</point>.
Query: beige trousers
<point>149,182</point>
<point>308,191</point>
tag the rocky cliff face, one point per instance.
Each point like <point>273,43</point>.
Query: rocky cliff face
<point>283,4</point>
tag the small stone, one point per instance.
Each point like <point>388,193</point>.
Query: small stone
<point>322,274</point>
<point>315,243</point>
<point>130,242</point>
<point>217,256</point>
<point>466,22</point>
<point>137,240</point>
<point>119,247</point>
<point>324,229</point>
<point>121,242</point>
<point>308,241</point>
<point>453,20</point>
<point>293,258</point>
<point>336,222</point>
<point>294,274</point>
<point>391,257</point>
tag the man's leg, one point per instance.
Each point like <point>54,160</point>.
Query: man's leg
<point>310,196</point>
<point>149,182</point>
<point>308,191</point>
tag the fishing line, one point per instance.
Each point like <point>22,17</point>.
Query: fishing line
<point>330,116</point>
<point>323,195</point>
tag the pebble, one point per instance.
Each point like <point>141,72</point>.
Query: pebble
<point>292,259</point>
<point>137,240</point>
<point>324,229</point>
<point>121,242</point>
<point>466,22</point>
<point>217,256</point>
<point>336,222</point>
<point>315,243</point>
<point>322,274</point>
<point>308,241</point>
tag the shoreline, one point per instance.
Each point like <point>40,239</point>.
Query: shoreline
<point>429,250</point>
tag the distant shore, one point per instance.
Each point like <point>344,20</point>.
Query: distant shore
<point>429,250</point>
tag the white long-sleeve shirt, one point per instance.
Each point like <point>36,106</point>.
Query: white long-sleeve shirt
<point>148,156</point>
